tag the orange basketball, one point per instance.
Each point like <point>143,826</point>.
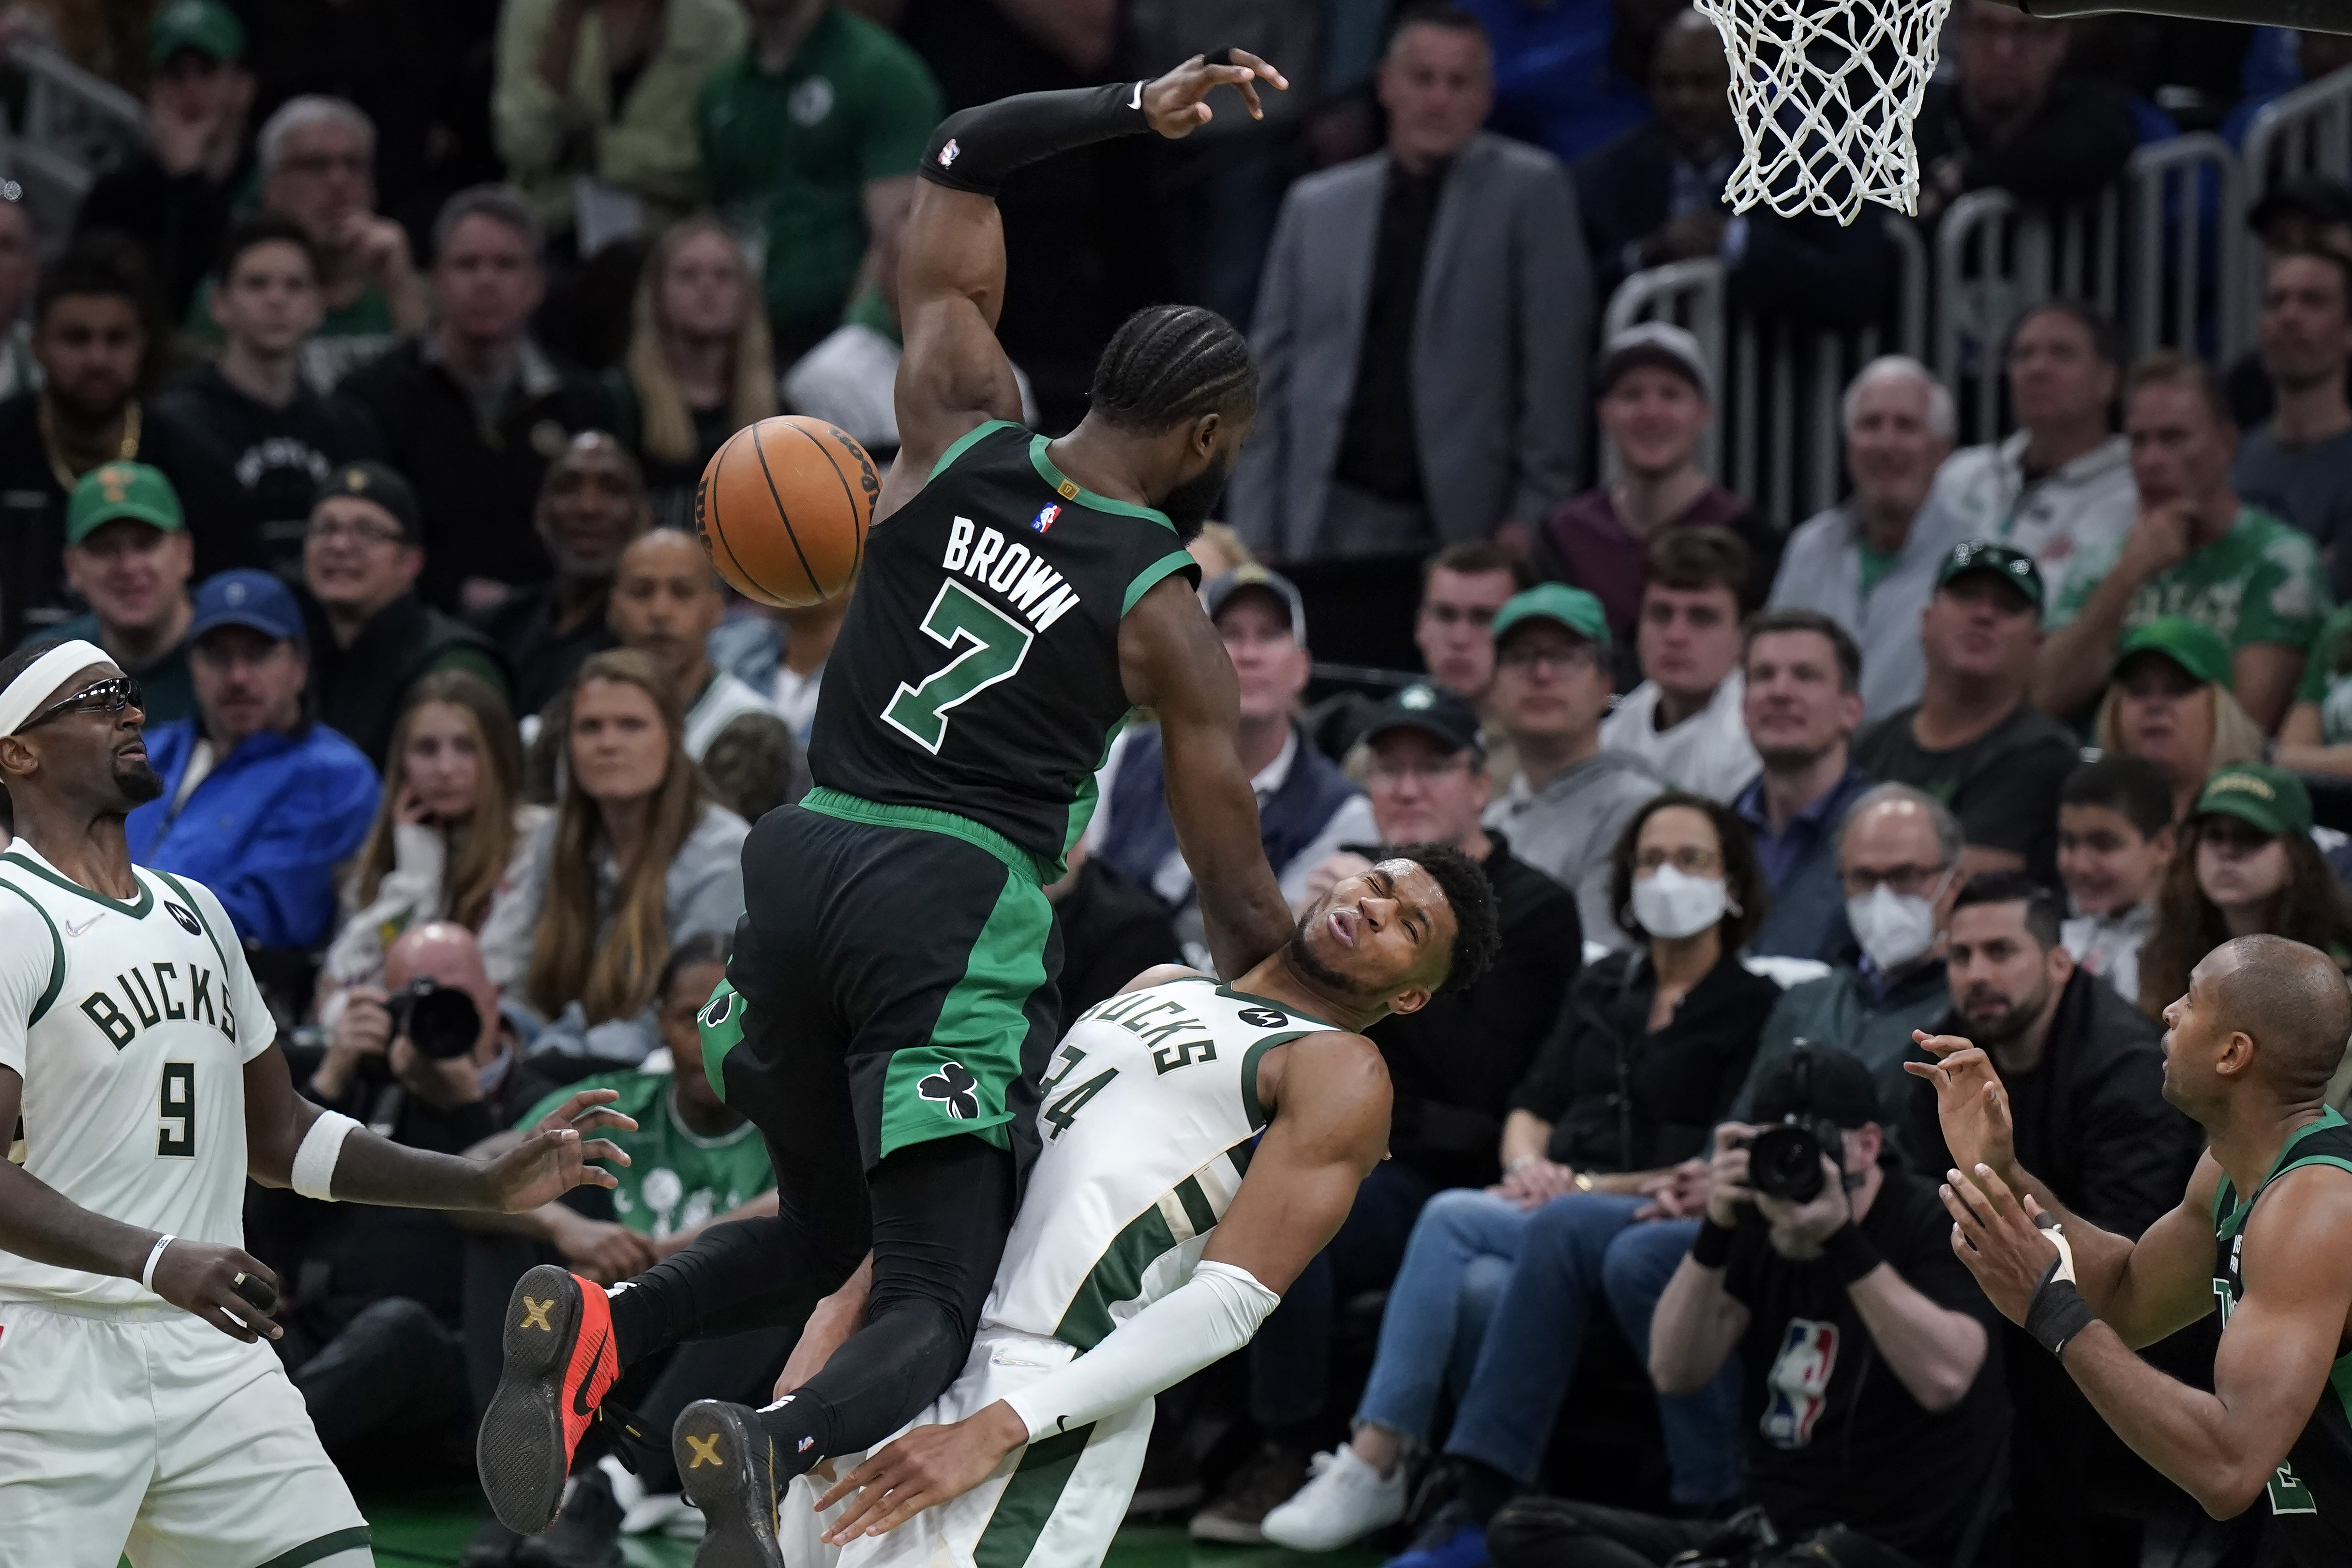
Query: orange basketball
<point>783,508</point>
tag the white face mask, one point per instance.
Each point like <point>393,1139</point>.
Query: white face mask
<point>1672,904</point>
<point>1893,927</point>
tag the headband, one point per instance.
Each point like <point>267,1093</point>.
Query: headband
<point>28,691</point>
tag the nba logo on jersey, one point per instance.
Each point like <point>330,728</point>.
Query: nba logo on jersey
<point>1799,1383</point>
<point>1045,520</point>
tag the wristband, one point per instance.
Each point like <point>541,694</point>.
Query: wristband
<point>147,1275</point>
<point>1849,1253</point>
<point>314,1161</point>
<point>1711,1248</point>
<point>973,149</point>
<point>2057,1312</point>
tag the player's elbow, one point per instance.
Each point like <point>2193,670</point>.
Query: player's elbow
<point>2231,1491</point>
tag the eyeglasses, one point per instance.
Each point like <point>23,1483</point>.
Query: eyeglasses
<point>1910,881</point>
<point>332,531</point>
<point>1690,859</point>
<point>1427,772</point>
<point>1573,656</point>
<point>110,697</point>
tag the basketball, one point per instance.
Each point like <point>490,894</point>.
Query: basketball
<point>783,508</point>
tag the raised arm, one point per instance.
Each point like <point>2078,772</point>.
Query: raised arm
<point>1172,663</point>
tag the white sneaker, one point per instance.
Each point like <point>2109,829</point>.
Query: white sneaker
<point>1344,1499</point>
<point>664,1513</point>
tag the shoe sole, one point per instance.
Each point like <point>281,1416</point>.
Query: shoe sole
<point>727,1467</point>
<point>519,1450</point>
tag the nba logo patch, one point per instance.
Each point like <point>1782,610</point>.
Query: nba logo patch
<point>1045,518</point>
<point>1799,1383</point>
<point>947,154</point>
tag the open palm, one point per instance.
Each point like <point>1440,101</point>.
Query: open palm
<point>557,1155</point>
<point>1971,1105</point>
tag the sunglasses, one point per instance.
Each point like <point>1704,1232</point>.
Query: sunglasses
<point>108,697</point>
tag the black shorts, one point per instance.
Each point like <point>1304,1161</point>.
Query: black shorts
<point>911,949</point>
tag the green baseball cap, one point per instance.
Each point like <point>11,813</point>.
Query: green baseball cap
<point>2192,644</point>
<point>113,490</point>
<point>2013,566</point>
<point>1571,607</point>
<point>2271,799</point>
<point>206,27</point>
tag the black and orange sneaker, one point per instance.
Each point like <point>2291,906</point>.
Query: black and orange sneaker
<point>559,1364</point>
<point>727,1467</point>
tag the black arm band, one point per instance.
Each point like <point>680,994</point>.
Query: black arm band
<point>2057,1312</point>
<point>1711,1248</point>
<point>1849,1253</point>
<point>973,149</point>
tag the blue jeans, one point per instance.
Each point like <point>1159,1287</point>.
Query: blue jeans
<point>1704,1444</point>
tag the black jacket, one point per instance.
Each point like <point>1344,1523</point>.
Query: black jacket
<point>1621,1098</point>
<point>543,659</point>
<point>278,456</point>
<point>2081,141</point>
<point>357,690</point>
<point>2093,1121</point>
<point>178,220</point>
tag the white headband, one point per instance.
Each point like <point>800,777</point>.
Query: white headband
<point>28,691</point>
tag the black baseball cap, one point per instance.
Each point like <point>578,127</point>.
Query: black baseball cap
<point>2316,196</point>
<point>1818,1081</point>
<point>1435,712</point>
<point>379,485</point>
<point>2013,566</point>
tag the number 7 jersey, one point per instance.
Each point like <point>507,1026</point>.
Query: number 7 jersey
<point>977,672</point>
<point>130,1024</point>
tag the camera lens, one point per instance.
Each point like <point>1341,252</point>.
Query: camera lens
<point>1785,1161</point>
<point>440,1021</point>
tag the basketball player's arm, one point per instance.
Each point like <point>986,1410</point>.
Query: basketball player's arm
<point>1330,1127</point>
<point>1171,661</point>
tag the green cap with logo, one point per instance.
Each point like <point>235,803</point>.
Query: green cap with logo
<point>2271,799</point>
<point>2192,644</point>
<point>2013,566</point>
<point>117,490</point>
<point>1570,607</point>
<point>206,27</point>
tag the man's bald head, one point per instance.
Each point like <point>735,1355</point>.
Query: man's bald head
<point>439,950</point>
<point>2292,1000</point>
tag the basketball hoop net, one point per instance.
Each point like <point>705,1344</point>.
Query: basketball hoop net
<point>1825,92</point>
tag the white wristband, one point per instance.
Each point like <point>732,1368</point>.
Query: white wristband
<point>147,1275</point>
<point>314,1161</point>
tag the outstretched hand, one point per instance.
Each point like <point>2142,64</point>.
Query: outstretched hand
<point>1174,104</point>
<point>553,1158</point>
<point>1995,1235</point>
<point>1971,1105</point>
<point>922,1470</point>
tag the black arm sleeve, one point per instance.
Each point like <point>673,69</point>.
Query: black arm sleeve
<point>973,149</point>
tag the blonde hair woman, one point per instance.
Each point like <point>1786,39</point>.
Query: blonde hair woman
<point>2170,702</point>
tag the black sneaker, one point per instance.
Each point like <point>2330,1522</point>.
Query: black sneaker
<point>1266,1480</point>
<point>727,1467</point>
<point>586,1534</point>
<point>492,1545</point>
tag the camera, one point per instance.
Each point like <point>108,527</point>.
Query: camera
<point>1785,1161</point>
<point>441,1021</point>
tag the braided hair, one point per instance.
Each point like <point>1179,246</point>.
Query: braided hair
<point>1167,364</point>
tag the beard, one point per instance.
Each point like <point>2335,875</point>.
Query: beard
<point>1302,958</point>
<point>1188,506</point>
<point>2014,1019</point>
<point>138,782</point>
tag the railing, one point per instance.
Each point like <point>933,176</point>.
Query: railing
<point>75,126</point>
<point>2185,270</point>
<point>2307,131</point>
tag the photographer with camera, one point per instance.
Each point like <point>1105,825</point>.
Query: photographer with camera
<point>1816,1263</point>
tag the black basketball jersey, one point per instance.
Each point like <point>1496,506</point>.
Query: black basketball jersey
<point>977,672</point>
<point>2311,1495</point>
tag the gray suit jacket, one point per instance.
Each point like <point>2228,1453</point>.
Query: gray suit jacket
<point>1498,358</point>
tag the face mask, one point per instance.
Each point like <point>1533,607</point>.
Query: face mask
<point>1892,927</point>
<point>1673,904</point>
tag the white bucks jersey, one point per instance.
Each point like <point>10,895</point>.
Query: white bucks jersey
<point>130,1024</point>
<point>1146,1120</point>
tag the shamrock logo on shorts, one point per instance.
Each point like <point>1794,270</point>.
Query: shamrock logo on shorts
<point>952,1087</point>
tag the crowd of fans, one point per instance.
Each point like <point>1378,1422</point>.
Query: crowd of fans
<point>360,414</point>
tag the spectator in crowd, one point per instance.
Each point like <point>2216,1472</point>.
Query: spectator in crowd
<point>1393,414</point>
<point>2309,213</point>
<point>2246,864</point>
<point>2116,836</point>
<point>2316,736</point>
<point>1802,703</point>
<point>1306,808</point>
<point>1808,1300</point>
<point>809,142</point>
<point>698,368</point>
<point>1111,930</point>
<point>591,504</point>
<point>261,803</point>
<point>1649,1049</point>
<point>96,340</point>
<point>451,816</point>
<point>473,412</point>
<point>1654,195</point>
<point>1869,563</point>
<point>1217,549</point>
<point>667,602</point>
<point>2061,484</point>
<point>692,1164</point>
<point>1463,587</point>
<point>600,97</point>
<point>1570,799</point>
<point>781,653</point>
<point>2170,703</point>
<point>1687,715</point>
<point>1453,1074</point>
<point>2297,464</point>
<point>1655,404</point>
<point>359,565</point>
<point>637,859</point>
<point>174,194</point>
<point>2010,119</point>
<point>1975,741</point>
<point>281,437</point>
<point>2195,549</point>
<point>1899,858</point>
<point>127,555</point>
<point>19,270</point>
<point>317,163</point>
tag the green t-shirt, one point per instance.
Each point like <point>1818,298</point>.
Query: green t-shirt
<point>2327,678</point>
<point>789,156</point>
<point>675,1179</point>
<point>1876,566</point>
<point>2260,582</point>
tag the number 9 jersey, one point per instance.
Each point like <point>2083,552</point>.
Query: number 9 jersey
<point>130,1024</point>
<point>978,670</point>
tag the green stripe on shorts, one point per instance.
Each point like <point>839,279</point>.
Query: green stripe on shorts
<point>350,1540</point>
<point>1028,1500</point>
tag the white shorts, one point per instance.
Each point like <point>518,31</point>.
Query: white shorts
<point>147,1431</point>
<point>1052,1504</point>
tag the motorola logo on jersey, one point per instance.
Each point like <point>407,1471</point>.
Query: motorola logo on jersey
<point>1263,1018</point>
<point>170,998</point>
<point>187,921</point>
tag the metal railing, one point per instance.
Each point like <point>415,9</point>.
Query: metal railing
<point>76,125</point>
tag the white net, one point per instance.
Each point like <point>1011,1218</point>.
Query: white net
<point>1825,91</point>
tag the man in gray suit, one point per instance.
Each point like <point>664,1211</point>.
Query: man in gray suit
<point>1421,327</point>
